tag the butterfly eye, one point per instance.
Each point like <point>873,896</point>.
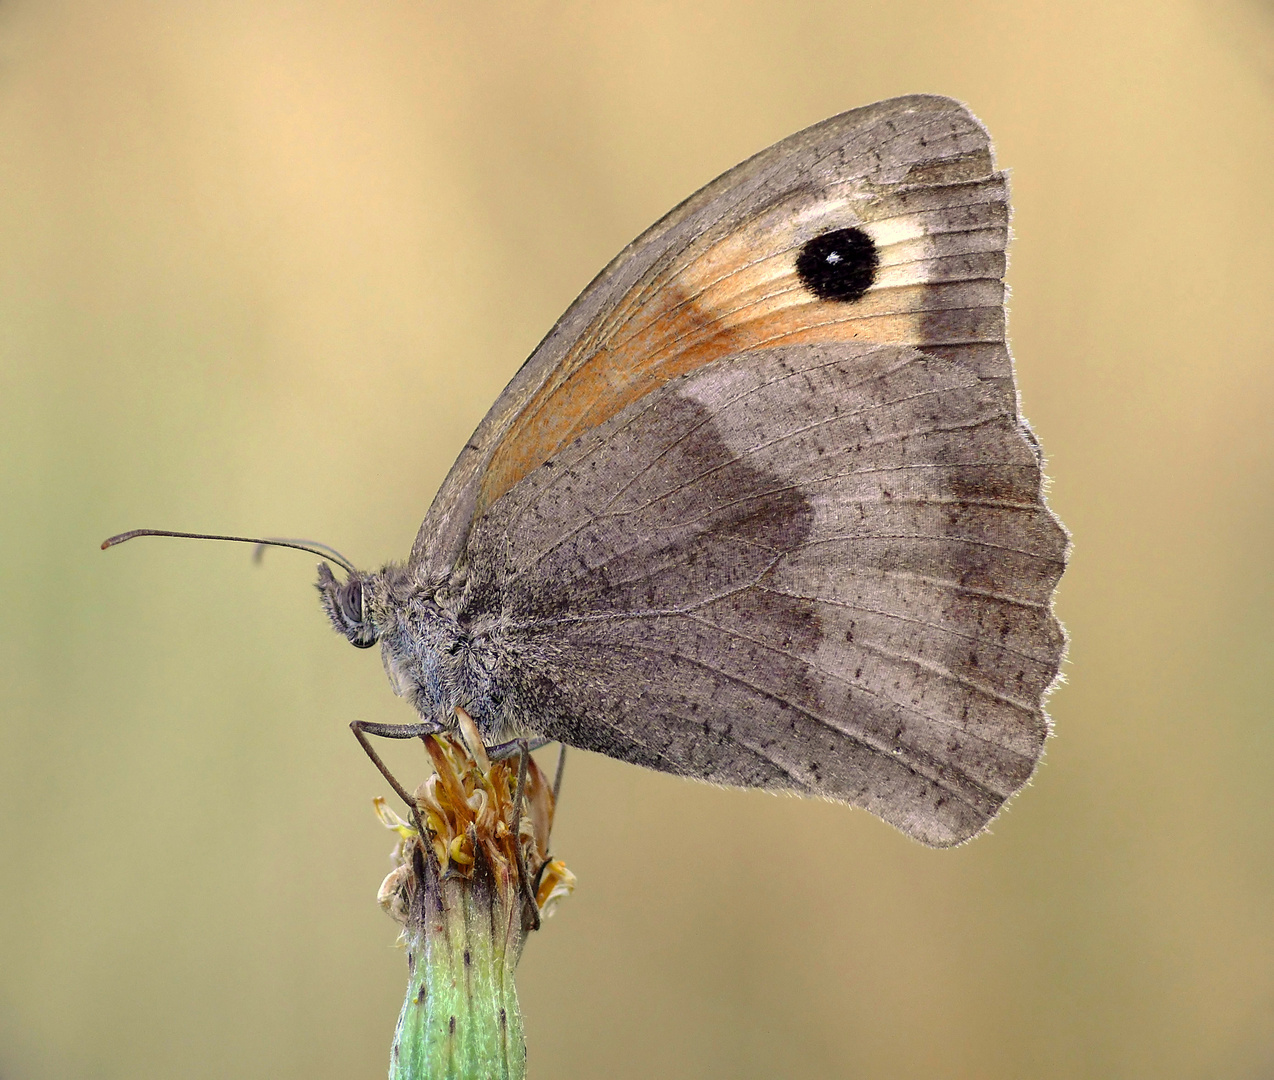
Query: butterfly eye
<point>344,604</point>
<point>350,600</point>
<point>839,265</point>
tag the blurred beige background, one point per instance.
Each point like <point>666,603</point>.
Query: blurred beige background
<point>263,266</point>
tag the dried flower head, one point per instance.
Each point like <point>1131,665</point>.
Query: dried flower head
<point>466,807</point>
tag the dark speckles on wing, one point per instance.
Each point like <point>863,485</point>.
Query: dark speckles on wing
<point>825,570</point>
<point>696,522</point>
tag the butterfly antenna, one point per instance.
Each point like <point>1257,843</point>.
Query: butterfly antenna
<point>299,542</point>
<point>314,548</point>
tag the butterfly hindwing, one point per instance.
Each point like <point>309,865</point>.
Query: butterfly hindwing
<point>824,569</point>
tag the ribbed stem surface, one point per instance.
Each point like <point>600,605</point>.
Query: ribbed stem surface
<point>460,1019</point>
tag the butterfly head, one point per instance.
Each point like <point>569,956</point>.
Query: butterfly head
<point>346,604</point>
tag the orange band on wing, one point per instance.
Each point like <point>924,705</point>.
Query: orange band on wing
<point>742,292</point>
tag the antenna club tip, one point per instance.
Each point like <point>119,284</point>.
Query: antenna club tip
<point>105,544</point>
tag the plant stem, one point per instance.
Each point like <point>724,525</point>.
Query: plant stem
<point>460,1019</point>
<point>465,910</point>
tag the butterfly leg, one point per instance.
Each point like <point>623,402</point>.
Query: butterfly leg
<point>501,751</point>
<point>557,776</point>
<point>362,729</point>
<point>528,896</point>
<point>505,750</point>
<point>557,794</point>
<point>523,747</point>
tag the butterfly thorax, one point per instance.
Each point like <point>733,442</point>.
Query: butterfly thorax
<point>439,652</point>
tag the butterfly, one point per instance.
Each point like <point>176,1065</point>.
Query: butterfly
<point>761,510</point>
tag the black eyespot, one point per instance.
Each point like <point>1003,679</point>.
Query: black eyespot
<point>839,265</point>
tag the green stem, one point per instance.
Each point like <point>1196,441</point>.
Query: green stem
<point>460,1019</point>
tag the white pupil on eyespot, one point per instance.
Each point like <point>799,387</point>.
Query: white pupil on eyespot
<point>834,257</point>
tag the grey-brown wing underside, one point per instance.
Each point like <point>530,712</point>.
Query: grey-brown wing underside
<point>819,569</point>
<point>715,277</point>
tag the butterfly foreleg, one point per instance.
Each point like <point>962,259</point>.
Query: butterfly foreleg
<point>362,729</point>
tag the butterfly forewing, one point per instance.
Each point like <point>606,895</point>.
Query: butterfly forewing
<point>733,286</point>
<point>717,277</point>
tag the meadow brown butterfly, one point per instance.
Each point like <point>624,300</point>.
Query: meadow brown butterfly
<point>760,509</point>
